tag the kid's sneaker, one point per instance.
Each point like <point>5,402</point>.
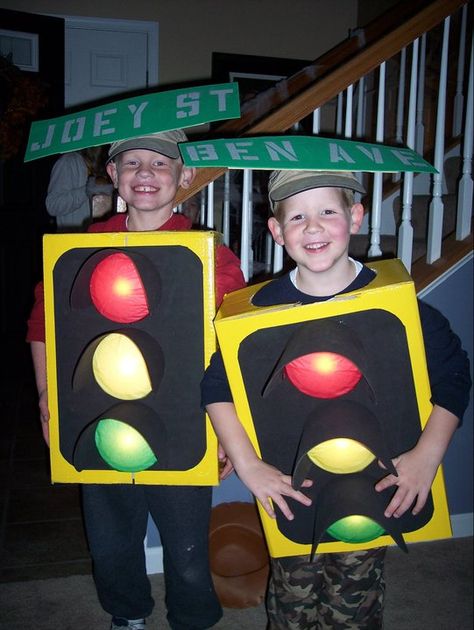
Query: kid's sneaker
<point>118,623</point>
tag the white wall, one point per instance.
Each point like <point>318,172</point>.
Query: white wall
<point>454,298</point>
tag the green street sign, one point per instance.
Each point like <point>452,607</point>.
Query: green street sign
<point>302,153</point>
<point>133,117</point>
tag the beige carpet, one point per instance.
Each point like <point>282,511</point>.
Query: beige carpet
<point>428,589</point>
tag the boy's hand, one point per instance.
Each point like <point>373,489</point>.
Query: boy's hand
<point>44,414</point>
<point>225,465</point>
<point>416,471</point>
<point>269,484</point>
<point>417,468</point>
<point>101,205</point>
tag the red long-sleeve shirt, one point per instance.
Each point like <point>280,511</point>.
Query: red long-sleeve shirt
<point>228,273</point>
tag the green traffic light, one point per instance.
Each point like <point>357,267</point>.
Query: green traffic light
<point>122,446</point>
<point>355,529</point>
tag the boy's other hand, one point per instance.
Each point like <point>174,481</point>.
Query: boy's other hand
<point>225,465</point>
<point>417,468</point>
<point>416,471</point>
<point>269,485</point>
<point>44,414</point>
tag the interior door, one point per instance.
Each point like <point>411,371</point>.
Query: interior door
<point>105,58</point>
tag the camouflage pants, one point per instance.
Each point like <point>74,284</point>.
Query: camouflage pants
<point>337,591</point>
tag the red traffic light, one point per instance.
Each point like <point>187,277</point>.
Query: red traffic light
<point>117,290</point>
<point>323,374</point>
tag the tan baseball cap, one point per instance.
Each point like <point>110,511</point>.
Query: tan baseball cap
<point>285,183</point>
<point>165,142</point>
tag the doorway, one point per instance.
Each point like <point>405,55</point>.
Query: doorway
<point>107,57</point>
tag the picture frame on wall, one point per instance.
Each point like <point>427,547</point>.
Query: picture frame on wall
<point>254,73</point>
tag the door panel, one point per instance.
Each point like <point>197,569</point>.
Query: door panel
<point>101,63</point>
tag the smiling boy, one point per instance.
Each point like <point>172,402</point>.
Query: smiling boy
<point>315,227</point>
<point>147,172</point>
<point>314,217</point>
<point>149,180</point>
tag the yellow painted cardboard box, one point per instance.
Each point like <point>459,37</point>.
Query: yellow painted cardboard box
<point>392,291</point>
<point>180,319</point>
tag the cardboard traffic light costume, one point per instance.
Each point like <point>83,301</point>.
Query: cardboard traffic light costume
<point>326,391</point>
<point>128,334</point>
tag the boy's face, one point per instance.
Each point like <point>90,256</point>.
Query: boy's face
<point>147,180</point>
<point>315,227</point>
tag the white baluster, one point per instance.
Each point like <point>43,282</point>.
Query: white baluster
<point>360,121</point>
<point>278,252</point>
<point>360,126</point>
<point>436,210</point>
<point>405,234</point>
<point>459,98</point>
<point>226,209</point>
<point>420,126</point>
<point>400,105</point>
<point>374,249</point>
<point>401,97</point>
<point>250,176</point>
<point>465,197</point>
<point>268,252</point>
<point>340,106</point>
<point>317,121</point>
<point>245,226</point>
<point>210,206</point>
<point>277,258</point>
<point>348,123</point>
<point>202,214</point>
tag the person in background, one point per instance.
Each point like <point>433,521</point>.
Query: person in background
<point>191,208</point>
<point>79,189</point>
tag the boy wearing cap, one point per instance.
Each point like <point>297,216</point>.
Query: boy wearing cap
<point>314,216</point>
<point>147,172</point>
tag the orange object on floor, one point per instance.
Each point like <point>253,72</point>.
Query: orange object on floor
<point>238,555</point>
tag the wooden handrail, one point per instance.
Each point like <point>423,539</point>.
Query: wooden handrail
<point>294,98</point>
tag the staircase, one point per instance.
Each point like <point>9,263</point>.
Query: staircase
<point>405,79</point>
